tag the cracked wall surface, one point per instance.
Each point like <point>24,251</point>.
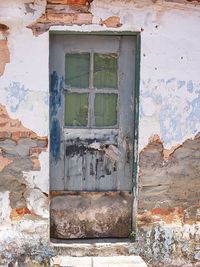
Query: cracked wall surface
<point>168,231</point>
<point>168,203</point>
<point>24,205</point>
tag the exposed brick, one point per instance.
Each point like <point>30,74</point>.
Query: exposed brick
<point>46,21</point>
<point>36,163</point>
<point>168,188</point>
<point>63,12</point>
<point>4,135</point>
<point>12,128</point>
<point>112,22</point>
<point>4,55</point>
<point>18,213</point>
<point>20,148</point>
<point>66,19</point>
<point>4,162</point>
<point>68,2</point>
<point>42,141</point>
<point>36,150</point>
<point>168,152</point>
<point>23,134</point>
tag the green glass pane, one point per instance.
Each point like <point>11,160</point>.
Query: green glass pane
<point>105,70</point>
<point>77,70</point>
<point>76,109</point>
<point>105,109</point>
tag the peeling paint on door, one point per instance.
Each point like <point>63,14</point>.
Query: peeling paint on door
<point>95,150</point>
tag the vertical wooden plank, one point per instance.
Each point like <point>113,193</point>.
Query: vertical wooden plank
<point>56,113</point>
<point>136,128</point>
<point>126,112</point>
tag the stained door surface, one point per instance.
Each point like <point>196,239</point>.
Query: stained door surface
<point>92,114</point>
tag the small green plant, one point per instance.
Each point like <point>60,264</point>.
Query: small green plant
<point>132,236</point>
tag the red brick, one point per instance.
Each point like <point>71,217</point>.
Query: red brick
<point>18,213</point>
<point>36,150</point>
<point>113,22</point>
<point>5,135</point>
<point>68,2</point>
<point>4,55</point>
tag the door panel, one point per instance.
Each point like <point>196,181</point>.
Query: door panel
<point>84,157</point>
<point>96,134</point>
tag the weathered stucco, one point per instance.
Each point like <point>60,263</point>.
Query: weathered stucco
<point>168,199</point>
<point>168,202</point>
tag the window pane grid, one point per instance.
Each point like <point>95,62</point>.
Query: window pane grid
<point>105,70</point>
<point>102,102</point>
<point>77,70</point>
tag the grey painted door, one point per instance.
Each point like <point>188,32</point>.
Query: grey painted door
<point>92,114</point>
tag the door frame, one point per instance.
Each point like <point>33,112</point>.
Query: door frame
<point>134,188</point>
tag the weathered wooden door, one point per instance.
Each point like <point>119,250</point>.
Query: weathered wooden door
<point>92,114</point>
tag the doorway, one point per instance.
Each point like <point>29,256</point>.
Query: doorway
<point>92,96</point>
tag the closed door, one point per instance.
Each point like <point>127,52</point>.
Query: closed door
<point>92,114</point>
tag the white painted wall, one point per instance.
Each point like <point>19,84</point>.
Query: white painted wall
<point>170,55</point>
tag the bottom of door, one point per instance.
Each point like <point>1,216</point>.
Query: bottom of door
<point>76,215</point>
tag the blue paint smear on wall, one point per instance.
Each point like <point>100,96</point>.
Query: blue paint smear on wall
<point>16,95</point>
<point>56,84</point>
<point>55,139</point>
<point>175,122</point>
<point>180,84</point>
<point>46,99</point>
<point>194,115</point>
<point>190,86</point>
<point>168,111</point>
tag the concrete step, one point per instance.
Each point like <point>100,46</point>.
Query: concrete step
<point>93,247</point>
<point>115,261</point>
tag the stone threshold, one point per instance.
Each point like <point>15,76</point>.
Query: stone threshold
<point>92,247</point>
<point>114,261</point>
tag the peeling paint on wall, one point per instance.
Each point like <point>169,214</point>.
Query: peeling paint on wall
<point>168,190</point>
<point>168,205</point>
<point>172,107</point>
<point>16,95</point>
<point>113,22</point>
<point>4,55</point>
<point>168,219</point>
<point>24,208</point>
<point>4,51</point>
<point>63,13</point>
<point>16,145</point>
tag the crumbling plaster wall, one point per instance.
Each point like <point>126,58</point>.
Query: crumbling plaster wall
<point>168,222</point>
<point>24,184</point>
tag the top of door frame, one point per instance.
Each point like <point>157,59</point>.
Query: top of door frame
<point>122,33</point>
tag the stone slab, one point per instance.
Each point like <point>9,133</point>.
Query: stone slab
<point>77,215</point>
<point>72,261</point>
<point>119,261</point>
<point>115,261</point>
<point>92,247</point>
